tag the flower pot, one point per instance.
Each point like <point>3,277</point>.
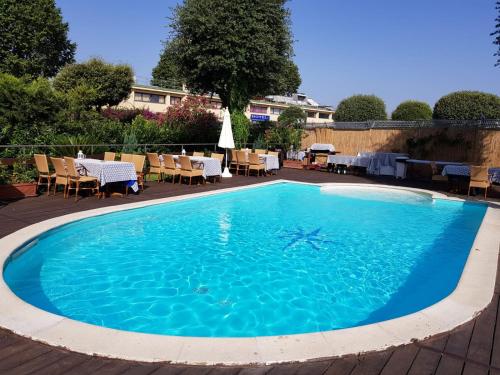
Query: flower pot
<point>295,164</point>
<point>17,191</point>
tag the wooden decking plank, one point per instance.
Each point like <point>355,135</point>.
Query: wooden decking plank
<point>401,360</point>
<point>38,363</point>
<point>141,369</point>
<point>20,357</point>
<point>313,368</point>
<point>459,340</point>
<point>372,364</point>
<point>342,366</point>
<point>195,370</point>
<point>62,366</point>
<point>495,350</point>
<point>436,343</point>
<point>449,365</point>
<point>13,349</point>
<point>425,363</point>
<point>255,370</point>
<point>481,342</point>
<point>284,369</point>
<point>474,369</point>
<point>7,340</point>
<point>225,371</point>
<point>88,367</point>
<point>169,370</point>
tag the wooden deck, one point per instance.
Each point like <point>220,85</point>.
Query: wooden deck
<point>472,349</point>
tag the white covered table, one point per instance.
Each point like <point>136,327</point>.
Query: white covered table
<point>383,163</point>
<point>211,167</point>
<point>110,171</point>
<point>464,170</point>
<point>341,159</point>
<point>322,147</point>
<point>296,155</point>
<point>271,162</point>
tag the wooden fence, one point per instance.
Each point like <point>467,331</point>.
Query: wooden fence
<point>464,144</point>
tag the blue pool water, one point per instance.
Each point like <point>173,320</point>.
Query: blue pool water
<point>280,259</point>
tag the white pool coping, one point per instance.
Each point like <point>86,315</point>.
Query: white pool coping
<point>472,294</point>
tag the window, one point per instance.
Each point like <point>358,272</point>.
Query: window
<point>175,100</point>
<point>324,115</point>
<point>215,105</point>
<point>277,111</point>
<point>258,109</point>
<point>311,114</point>
<point>149,98</point>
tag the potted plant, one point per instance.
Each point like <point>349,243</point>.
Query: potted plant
<point>18,183</point>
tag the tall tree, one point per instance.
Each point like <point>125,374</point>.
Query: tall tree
<point>95,82</point>
<point>33,38</point>
<point>167,73</point>
<point>496,34</point>
<point>237,49</point>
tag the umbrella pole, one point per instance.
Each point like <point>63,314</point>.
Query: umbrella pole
<point>226,172</point>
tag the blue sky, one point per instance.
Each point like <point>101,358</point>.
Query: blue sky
<point>396,49</point>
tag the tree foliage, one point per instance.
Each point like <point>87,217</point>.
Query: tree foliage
<point>412,110</point>
<point>95,83</point>
<point>33,38</point>
<point>167,72</point>
<point>361,108</point>
<point>467,105</point>
<point>237,49</point>
<point>241,128</point>
<point>496,34</point>
<point>293,116</point>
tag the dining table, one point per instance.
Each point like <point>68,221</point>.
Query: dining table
<point>109,171</point>
<point>464,171</point>
<point>211,167</point>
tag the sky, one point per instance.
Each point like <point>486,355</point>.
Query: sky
<point>396,49</point>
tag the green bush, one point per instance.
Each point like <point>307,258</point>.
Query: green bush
<point>412,110</point>
<point>241,128</point>
<point>294,116</point>
<point>361,108</point>
<point>467,105</point>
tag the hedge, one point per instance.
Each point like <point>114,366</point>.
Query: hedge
<point>412,110</point>
<point>467,105</point>
<point>361,108</point>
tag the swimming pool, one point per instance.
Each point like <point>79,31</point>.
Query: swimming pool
<point>274,260</point>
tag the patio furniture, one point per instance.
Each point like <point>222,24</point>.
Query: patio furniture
<point>436,176</point>
<point>217,156</point>
<point>61,174</point>
<point>74,178</point>
<point>187,169</point>
<point>273,153</point>
<point>170,168</point>
<point>241,157</point>
<point>255,164</point>
<point>110,172</point>
<point>234,160</point>
<point>127,158</point>
<point>42,166</point>
<point>479,179</point>
<point>260,151</point>
<point>196,153</point>
<point>271,161</point>
<point>109,156</point>
<point>382,163</point>
<point>155,167</point>
<point>139,161</point>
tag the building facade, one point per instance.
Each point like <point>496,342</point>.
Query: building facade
<point>158,99</point>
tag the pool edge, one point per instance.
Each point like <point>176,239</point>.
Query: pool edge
<point>472,294</point>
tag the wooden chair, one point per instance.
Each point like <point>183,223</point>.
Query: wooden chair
<point>42,166</point>
<point>274,153</point>
<point>260,151</point>
<point>196,153</point>
<point>436,176</point>
<point>109,156</point>
<point>255,164</point>
<point>170,168</point>
<point>61,174</point>
<point>217,156</point>
<point>75,179</point>
<point>479,179</point>
<point>139,161</point>
<point>187,169</point>
<point>155,166</point>
<point>234,161</point>
<point>241,157</point>
<point>127,158</point>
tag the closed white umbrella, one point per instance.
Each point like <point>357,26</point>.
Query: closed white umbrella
<point>226,138</point>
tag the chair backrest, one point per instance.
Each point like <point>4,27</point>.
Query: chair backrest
<point>197,153</point>
<point>138,161</point>
<point>217,156</point>
<point>70,167</point>
<point>233,155</point>
<point>109,156</point>
<point>185,163</point>
<point>273,153</point>
<point>128,158</point>
<point>241,156</point>
<point>478,173</point>
<point>260,151</point>
<point>58,164</point>
<point>169,162</point>
<point>434,168</point>
<point>253,159</point>
<point>42,163</point>
<point>154,159</point>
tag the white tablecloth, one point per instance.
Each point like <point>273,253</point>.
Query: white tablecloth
<point>296,155</point>
<point>341,159</point>
<point>322,147</point>
<point>211,167</point>
<point>271,162</point>
<point>110,171</point>
<point>438,162</point>
<point>382,163</point>
<point>464,170</point>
